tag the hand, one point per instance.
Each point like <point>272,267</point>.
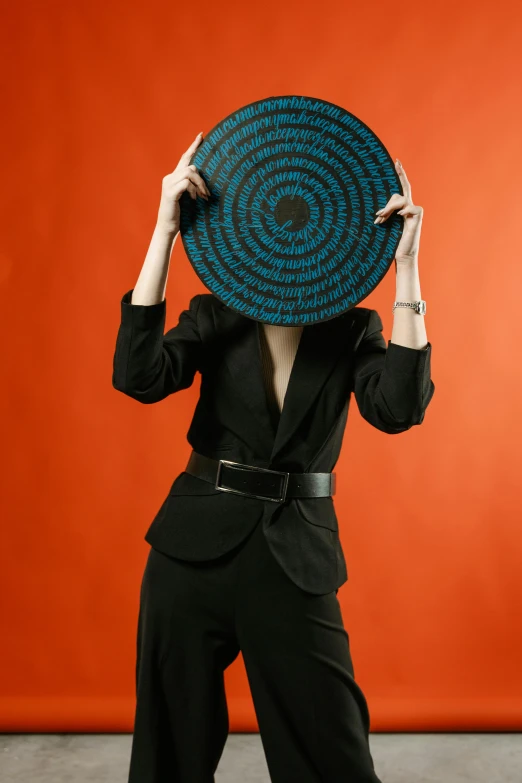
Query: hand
<point>184,177</point>
<point>408,249</point>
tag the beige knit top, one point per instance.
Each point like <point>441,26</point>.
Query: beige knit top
<point>278,349</point>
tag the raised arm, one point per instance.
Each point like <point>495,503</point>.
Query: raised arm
<point>393,385</point>
<point>148,364</point>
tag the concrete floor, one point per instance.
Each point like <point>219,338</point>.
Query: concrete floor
<point>399,758</point>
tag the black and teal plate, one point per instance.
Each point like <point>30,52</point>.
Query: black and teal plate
<point>288,235</point>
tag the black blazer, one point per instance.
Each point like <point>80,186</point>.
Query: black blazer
<point>232,420</point>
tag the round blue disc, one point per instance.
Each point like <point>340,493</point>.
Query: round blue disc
<point>288,235</point>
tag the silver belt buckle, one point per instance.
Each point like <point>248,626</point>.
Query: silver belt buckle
<point>251,467</point>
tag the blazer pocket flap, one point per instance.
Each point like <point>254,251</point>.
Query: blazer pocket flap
<point>318,511</point>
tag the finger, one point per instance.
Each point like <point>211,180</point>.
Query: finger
<point>185,158</point>
<point>181,186</point>
<point>192,190</point>
<point>410,209</point>
<point>190,173</point>
<point>396,201</point>
<point>196,177</point>
<point>199,182</point>
<point>403,178</point>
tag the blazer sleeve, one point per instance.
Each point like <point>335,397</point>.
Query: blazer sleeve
<point>149,365</point>
<point>392,384</point>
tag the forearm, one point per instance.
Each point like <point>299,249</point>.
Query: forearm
<point>152,280</point>
<point>408,326</point>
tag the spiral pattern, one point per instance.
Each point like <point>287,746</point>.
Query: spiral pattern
<point>288,236</point>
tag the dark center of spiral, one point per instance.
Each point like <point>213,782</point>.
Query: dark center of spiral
<point>292,212</point>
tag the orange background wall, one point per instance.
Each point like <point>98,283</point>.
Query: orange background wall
<point>99,102</point>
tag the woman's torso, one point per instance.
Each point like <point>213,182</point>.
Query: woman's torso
<point>278,349</point>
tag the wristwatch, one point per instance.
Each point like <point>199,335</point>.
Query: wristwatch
<point>419,307</point>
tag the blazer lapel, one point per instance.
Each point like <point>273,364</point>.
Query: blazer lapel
<point>242,356</point>
<point>318,351</point>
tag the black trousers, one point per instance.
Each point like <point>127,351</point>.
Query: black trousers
<point>194,619</point>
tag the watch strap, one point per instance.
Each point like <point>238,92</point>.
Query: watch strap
<point>419,306</point>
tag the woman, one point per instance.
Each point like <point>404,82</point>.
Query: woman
<point>229,569</point>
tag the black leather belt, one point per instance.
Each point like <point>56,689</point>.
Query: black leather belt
<point>259,482</point>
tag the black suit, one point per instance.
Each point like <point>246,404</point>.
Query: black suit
<point>232,420</point>
<point>228,573</point>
